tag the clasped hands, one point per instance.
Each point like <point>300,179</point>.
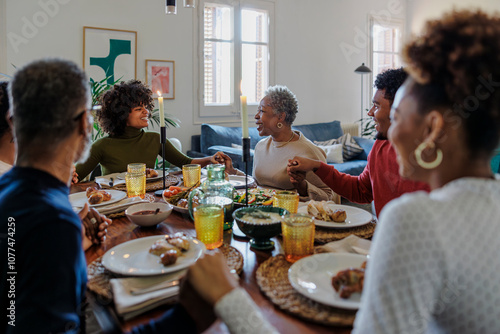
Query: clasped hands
<point>94,227</point>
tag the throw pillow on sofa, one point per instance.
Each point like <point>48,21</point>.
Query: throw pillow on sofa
<point>333,153</point>
<point>350,148</point>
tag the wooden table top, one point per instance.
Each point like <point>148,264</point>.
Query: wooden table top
<point>123,230</point>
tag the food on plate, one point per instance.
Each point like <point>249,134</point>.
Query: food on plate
<point>183,203</point>
<point>96,195</point>
<point>174,195</point>
<point>261,217</point>
<point>169,257</point>
<point>171,191</point>
<point>321,210</point>
<point>339,216</point>
<point>349,281</point>
<point>170,248</point>
<point>96,198</point>
<point>181,242</point>
<point>255,196</point>
<point>162,246</point>
<point>151,173</point>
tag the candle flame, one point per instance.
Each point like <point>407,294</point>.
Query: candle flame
<point>158,92</point>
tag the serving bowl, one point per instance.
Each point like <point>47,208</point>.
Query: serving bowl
<point>260,233</point>
<point>148,219</point>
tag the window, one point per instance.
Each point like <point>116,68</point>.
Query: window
<point>386,45</point>
<point>235,39</point>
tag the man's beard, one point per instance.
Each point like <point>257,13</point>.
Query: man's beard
<point>84,153</point>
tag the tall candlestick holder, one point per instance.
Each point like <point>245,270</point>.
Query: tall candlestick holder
<point>245,143</point>
<point>163,140</point>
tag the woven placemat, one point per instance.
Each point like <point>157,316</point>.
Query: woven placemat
<point>326,235</point>
<point>272,278</point>
<point>99,277</point>
<point>170,180</point>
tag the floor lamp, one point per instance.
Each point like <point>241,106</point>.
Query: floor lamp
<point>362,70</point>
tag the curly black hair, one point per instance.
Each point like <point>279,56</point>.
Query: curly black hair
<point>4,107</point>
<point>455,69</point>
<point>390,80</point>
<point>118,102</point>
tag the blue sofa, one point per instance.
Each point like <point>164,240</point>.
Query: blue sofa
<point>215,138</point>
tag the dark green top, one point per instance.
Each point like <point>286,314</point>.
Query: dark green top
<point>135,145</point>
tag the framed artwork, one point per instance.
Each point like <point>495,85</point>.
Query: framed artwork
<point>109,53</point>
<point>160,76</point>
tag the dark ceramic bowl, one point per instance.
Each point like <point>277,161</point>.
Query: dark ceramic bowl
<point>260,234</point>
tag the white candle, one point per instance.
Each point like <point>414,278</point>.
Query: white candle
<point>244,116</point>
<point>160,106</point>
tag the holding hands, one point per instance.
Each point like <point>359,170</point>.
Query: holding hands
<point>297,169</point>
<point>93,226</point>
<point>300,164</point>
<point>224,159</point>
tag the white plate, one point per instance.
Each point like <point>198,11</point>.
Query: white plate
<point>355,216</point>
<point>238,181</point>
<point>133,258</point>
<point>312,277</point>
<point>79,199</point>
<point>180,209</point>
<point>121,176</point>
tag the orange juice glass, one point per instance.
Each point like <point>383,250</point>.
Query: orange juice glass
<point>298,236</point>
<point>209,224</point>
<point>135,180</point>
<point>288,200</point>
<point>191,174</point>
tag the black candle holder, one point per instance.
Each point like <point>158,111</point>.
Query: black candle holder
<point>163,140</point>
<point>245,143</point>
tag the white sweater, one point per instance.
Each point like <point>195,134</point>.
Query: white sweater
<point>271,159</point>
<point>434,263</point>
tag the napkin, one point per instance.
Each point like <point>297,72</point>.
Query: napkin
<point>104,180</point>
<point>351,244</point>
<point>129,306</point>
<point>120,206</point>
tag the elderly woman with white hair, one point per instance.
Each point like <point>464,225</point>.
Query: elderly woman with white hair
<point>274,118</point>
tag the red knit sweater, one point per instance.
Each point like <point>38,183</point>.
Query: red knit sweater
<point>380,180</point>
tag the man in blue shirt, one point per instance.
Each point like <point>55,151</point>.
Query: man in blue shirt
<point>43,265</point>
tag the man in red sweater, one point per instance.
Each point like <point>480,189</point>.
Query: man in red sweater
<point>380,181</point>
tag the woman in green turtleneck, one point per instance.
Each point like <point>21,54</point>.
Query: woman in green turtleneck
<point>124,114</point>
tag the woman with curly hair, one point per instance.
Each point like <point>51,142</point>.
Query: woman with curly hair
<point>434,261</point>
<point>274,118</point>
<point>125,112</point>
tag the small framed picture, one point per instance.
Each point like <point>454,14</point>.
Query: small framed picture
<point>160,76</point>
<point>109,53</point>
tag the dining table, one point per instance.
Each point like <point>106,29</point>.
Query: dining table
<point>122,230</point>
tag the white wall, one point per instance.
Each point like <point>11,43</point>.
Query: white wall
<point>309,36</point>
<point>419,11</point>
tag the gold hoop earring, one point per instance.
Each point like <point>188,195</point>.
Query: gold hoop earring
<point>279,125</point>
<point>425,164</point>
